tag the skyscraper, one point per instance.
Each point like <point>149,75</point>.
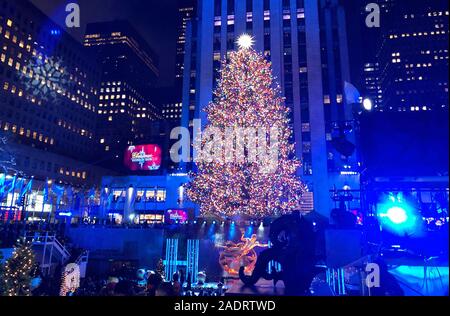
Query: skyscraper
<point>186,11</point>
<point>306,42</point>
<point>372,87</point>
<point>413,56</point>
<point>406,74</point>
<point>129,72</point>
<point>48,98</point>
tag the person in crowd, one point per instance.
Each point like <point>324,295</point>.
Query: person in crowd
<point>164,289</point>
<point>182,277</point>
<point>109,288</point>
<point>124,288</point>
<point>153,282</point>
<point>220,287</point>
<point>176,285</point>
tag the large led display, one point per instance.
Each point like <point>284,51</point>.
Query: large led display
<point>174,216</point>
<point>143,158</point>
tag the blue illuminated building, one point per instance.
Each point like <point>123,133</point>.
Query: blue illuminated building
<point>145,199</point>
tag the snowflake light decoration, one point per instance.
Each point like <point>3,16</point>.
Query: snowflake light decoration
<point>48,78</point>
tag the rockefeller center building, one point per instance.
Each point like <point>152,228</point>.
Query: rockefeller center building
<point>129,70</point>
<point>306,41</point>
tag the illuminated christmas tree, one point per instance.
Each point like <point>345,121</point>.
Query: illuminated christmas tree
<point>18,270</point>
<point>238,173</point>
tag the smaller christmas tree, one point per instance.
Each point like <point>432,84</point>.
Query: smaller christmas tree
<point>18,272</point>
<point>160,269</point>
<point>2,283</point>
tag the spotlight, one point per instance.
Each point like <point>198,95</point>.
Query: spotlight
<point>397,215</point>
<point>367,104</point>
<point>214,222</point>
<point>195,222</point>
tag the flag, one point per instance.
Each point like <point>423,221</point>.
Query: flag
<point>352,94</point>
<point>46,191</point>
<point>109,202</point>
<point>91,194</point>
<point>12,188</point>
<point>133,197</point>
<point>59,192</point>
<point>19,185</point>
<point>2,186</point>
<point>25,190</point>
<point>79,196</point>
<point>8,187</point>
<point>2,180</point>
<point>69,194</point>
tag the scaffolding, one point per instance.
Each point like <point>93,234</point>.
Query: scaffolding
<point>192,259</point>
<point>171,258</point>
<point>273,266</point>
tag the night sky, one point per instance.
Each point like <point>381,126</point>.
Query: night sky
<point>155,20</point>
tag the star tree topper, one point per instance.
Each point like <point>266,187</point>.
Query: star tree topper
<point>245,41</point>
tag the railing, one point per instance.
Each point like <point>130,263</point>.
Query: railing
<point>82,262</point>
<point>51,242</point>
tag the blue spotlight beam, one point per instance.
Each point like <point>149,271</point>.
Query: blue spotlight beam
<point>398,217</point>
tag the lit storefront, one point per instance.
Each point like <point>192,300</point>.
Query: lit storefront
<point>146,199</point>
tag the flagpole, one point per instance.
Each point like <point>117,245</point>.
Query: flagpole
<point>44,200</point>
<point>12,199</point>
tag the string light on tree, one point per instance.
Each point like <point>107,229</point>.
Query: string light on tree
<point>18,271</point>
<point>70,280</point>
<point>247,97</point>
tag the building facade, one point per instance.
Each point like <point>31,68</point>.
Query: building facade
<point>143,200</point>
<point>372,87</point>
<point>48,98</point>
<point>307,44</point>
<point>129,70</point>
<point>186,11</point>
<point>413,56</point>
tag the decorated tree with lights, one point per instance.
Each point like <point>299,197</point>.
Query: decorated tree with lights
<point>247,98</point>
<point>18,272</point>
